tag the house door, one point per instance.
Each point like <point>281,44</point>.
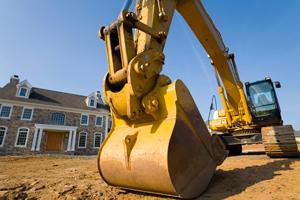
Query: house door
<point>54,141</point>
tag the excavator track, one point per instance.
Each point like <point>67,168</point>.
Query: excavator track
<point>279,141</point>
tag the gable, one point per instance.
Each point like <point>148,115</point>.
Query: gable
<point>23,89</point>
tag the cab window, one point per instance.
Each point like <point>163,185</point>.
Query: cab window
<point>262,96</point>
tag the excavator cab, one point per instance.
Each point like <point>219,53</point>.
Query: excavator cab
<point>263,102</point>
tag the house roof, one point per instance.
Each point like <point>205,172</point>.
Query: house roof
<point>24,83</point>
<point>48,97</point>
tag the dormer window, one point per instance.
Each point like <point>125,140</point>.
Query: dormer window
<point>23,89</point>
<point>92,102</point>
<point>23,92</point>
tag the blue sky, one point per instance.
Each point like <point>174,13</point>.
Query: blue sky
<point>54,45</point>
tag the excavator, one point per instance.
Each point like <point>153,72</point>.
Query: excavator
<point>159,142</point>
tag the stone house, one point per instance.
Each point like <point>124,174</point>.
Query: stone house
<point>35,120</point>
<point>297,135</point>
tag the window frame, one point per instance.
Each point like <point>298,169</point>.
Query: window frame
<point>52,121</point>
<point>94,104</point>
<point>87,121</point>
<point>10,113</point>
<point>32,110</point>
<point>27,136</point>
<point>101,121</point>
<point>19,92</point>
<point>5,132</point>
<point>109,123</point>
<point>102,137</point>
<point>82,147</point>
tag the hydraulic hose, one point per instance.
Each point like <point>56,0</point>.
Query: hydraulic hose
<point>126,6</point>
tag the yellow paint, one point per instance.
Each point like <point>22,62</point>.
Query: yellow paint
<point>172,154</point>
<point>149,112</point>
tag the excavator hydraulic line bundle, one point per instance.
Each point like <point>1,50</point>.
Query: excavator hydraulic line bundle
<point>158,142</point>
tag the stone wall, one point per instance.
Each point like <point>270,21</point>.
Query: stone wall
<point>12,125</point>
<point>90,130</point>
<point>44,117</point>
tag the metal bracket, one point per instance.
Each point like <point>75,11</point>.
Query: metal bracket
<point>129,142</point>
<point>131,19</point>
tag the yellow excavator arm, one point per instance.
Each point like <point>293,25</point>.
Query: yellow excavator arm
<point>159,142</point>
<point>152,20</point>
<point>234,102</point>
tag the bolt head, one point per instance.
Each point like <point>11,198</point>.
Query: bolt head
<point>154,103</point>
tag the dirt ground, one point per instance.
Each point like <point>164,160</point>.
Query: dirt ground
<point>250,176</point>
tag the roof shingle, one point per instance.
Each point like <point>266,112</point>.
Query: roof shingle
<point>49,97</point>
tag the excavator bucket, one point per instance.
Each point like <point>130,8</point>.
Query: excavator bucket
<point>172,155</point>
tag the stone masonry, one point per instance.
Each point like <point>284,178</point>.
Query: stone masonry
<point>41,116</point>
<point>46,135</point>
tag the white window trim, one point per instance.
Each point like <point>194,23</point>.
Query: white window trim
<point>19,91</point>
<point>30,116</point>
<point>86,135</point>
<point>65,117</point>
<point>101,125</point>
<point>88,118</point>
<point>27,136</point>
<point>102,139</point>
<point>95,102</point>
<point>89,98</point>
<point>1,145</point>
<point>11,109</point>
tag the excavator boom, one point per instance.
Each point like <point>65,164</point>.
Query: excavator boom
<point>204,29</point>
<point>234,100</point>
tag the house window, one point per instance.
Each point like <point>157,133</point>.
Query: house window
<point>27,113</point>
<point>84,119</point>
<point>23,92</point>
<point>98,139</point>
<point>22,137</point>
<point>92,102</point>
<point>109,123</point>
<point>5,111</point>
<point>99,121</point>
<point>2,135</point>
<point>82,140</point>
<point>58,118</point>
